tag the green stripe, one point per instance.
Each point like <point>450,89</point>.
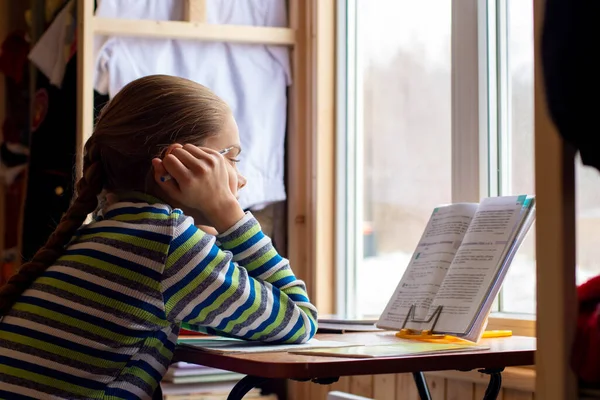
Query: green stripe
<point>282,273</point>
<point>59,350</point>
<point>235,278</point>
<point>130,239</point>
<point>262,260</point>
<point>144,215</point>
<point>125,273</point>
<point>44,380</point>
<point>252,309</point>
<point>159,346</point>
<point>76,323</point>
<point>176,298</point>
<point>284,301</point>
<point>139,373</point>
<point>242,238</point>
<point>184,248</point>
<point>102,300</point>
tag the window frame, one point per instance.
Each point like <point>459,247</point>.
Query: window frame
<point>477,119</point>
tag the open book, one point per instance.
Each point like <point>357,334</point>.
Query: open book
<point>458,267</point>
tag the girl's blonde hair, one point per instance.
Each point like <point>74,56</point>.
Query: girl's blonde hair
<point>137,125</point>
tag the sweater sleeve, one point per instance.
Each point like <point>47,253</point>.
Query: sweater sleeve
<point>256,298</point>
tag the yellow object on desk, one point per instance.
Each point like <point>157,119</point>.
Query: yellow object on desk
<point>429,336</point>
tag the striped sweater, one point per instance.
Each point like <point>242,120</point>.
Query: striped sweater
<point>102,322</point>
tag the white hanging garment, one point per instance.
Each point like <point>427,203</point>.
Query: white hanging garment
<point>252,79</point>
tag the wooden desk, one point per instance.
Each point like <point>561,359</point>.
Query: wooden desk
<point>504,352</point>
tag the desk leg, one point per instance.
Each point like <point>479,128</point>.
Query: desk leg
<point>422,387</point>
<point>495,385</point>
<point>245,385</point>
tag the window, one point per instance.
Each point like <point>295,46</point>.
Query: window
<point>401,145</point>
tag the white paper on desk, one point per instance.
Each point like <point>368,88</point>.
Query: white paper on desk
<point>228,346</point>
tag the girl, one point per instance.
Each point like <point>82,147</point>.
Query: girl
<point>96,312</point>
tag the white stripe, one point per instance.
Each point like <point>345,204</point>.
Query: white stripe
<point>290,324</point>
<point>297,282</point>
<point>187,268</point>
<point>252,249</point>
<point>97,280</point>
<point>96,312</point>
<point>70,336</point>
<point>269,308</point>
<point>28,392</point>
<point>185,313</point>
<point>183,226</point>
<point>129,388</point>
<point>148,358</point>
<point>233,307</point>
<point>272,270</point>
<point>56,366</point>
<point>125,255</point>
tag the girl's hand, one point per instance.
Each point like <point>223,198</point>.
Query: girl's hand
<point>201,182</point>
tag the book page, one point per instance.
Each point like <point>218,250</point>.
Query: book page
<point>477,262</point>
<point>429,263</point>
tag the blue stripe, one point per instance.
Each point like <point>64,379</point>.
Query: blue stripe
<point>85,317</point>
<point>67,344</point>
<point>284,281</point>
<point>138,234</point>
<point>119,393</point>
<point>297,327</point>
<point>10,395</point>
<point>104,291</point>
<point>118,261</point>
<point>51,373</point>
<point>298,298</point>
<point>240,310</point>
<point>258,271</point>
<point>193,274</point>
<point>247,243</point>
<point>134,211</point>
<point>272,317</point>
<point>182,238</point>
<point>214,295</point>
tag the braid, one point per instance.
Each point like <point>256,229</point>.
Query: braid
<point>88,189</point>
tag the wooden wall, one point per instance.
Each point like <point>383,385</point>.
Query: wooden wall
<point>518,385</point>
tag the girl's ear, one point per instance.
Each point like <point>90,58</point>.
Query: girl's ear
<point>171,148</point>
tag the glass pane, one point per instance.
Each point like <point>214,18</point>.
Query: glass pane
<point>519,287</point>
<point>405,107</point>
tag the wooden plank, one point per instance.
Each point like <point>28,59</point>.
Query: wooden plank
<point>85,76</point>
<point>514,378</point>
<point>384,387</point>
<point>318,391</point>
<point>362,385</point>
<point>437,387</point>
<point>406,388</point>
<point>298,390</point>
<point>511,394</point>
<point>324,165</point>
<point>555,245</point>
<point>342,385</point>
<point>194,10</point>
<point>299,195</point>
<point>195,30</point>
<point>459,390</point>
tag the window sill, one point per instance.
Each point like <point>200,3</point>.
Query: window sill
<point>519,324</point>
